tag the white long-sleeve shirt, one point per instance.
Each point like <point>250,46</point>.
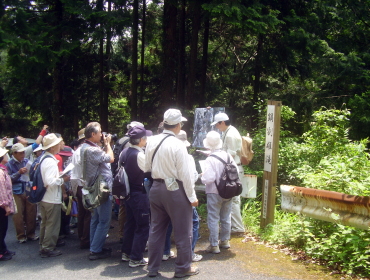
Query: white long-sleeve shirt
<point>76,173</point>
<point>213,169</point>
<point>52,182</point>
<point>232,142</point>
<point>170,161</point>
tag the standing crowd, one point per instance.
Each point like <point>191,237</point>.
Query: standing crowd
<point>161,176</point>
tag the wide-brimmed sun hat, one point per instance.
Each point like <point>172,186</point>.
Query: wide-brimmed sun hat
<point>50,140</point>
<point>212,141</point>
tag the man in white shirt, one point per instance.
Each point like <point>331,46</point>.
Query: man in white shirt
<point>232,143</point>
<point>171,196</point>
<point>83,216</point>
<point>50,205</point>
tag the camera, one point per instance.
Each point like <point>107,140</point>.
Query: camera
<point>114,137</point>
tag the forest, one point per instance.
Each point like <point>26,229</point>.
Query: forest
<point>68,62</point>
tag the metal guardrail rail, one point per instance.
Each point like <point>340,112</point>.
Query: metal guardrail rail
<point>329,206</point>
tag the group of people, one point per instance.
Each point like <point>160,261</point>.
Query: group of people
<point>161,175</point>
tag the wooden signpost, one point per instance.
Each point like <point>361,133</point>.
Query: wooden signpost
<point>270,162</point>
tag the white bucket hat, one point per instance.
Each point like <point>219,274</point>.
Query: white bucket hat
<point>50,140</point>
<point>220,117</point>
<point>183,137</point>
<point>173,116</point>
<point>3,152</point>
<point>39,148</point>
<point>212,141</point>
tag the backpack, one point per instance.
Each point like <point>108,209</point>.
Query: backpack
<point>121,186</point>
<point>37,189</point>
<point>246,153</point>
<point>118,147</point>
<point>229,185</point>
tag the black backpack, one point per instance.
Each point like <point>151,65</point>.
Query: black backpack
<point>37,189</point>
<point>118,147</point>
<point>229,185</point>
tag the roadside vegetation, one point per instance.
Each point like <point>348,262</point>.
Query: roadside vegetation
<point>322,158</point>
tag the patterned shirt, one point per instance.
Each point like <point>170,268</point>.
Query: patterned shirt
<point>6,192</point>
<point>97,163</point>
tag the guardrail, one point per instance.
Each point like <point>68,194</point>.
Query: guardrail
<point>329,206</point>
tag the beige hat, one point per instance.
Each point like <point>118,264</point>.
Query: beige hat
<point>39,148</point>
<point>220,117</point>
<point>3,152</point>
<point>183,137</point>
<point>173,116</point>
<point>81,134</point>
<point>18,148</point>
<point>50,140</point>
<point>212,141</point>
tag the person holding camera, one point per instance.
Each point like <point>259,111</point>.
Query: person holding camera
<point>97,163</point>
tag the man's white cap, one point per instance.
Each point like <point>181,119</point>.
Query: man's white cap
<point>173,116</point>
<point>133,124</point>
<point>220,117</point>
<point>212,141</point>
<point>39,148</point>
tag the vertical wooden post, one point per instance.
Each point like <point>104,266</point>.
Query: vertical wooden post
<point>270,162</point>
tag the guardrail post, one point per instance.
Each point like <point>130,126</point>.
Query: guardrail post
<point>270,162</point>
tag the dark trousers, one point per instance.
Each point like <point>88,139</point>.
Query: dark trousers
<point>64,220</point>
<point>3,230</point>
<point>165,206</point>
<point>137,225</point>
<point>83,221</point>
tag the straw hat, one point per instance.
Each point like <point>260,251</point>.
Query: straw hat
<point>50,140</point>
<point>81,134</point>
<point>212,141</point>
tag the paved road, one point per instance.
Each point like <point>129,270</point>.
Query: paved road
<point>74,263</point>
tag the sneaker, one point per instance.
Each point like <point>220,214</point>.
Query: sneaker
<point>8,252</point>
<point>197,258</point>
<point>170,256</point>
<point>213,249</point>
<point>125,257</point>
<point>192,271</point>
<point>142,262</point>
<point>23,240</point>
<point>101,255</point>
<point>47,253</point>
<point>5,257</point>
<point>225,244</point>
<point>35,238</point>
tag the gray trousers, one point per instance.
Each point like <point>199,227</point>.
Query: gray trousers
<point>237,224</point>
<point>50,225</point>
<point>219,211</point>
<point>165,206</point>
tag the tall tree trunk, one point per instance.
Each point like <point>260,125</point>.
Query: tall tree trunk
<point>257,81</point>
<point>180,100</point>
<point>57,122</point>
<point>143,26</point>
<point>203,77</point>
<point>196,11</point>
<point>135,20</point>
<point>169,52</point>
